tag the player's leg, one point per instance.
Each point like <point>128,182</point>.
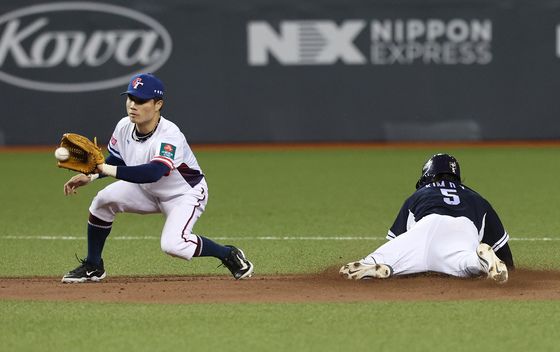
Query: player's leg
<point>178,240</point>
<point>91,268</point>
<point>452,249</point>
<point>181,213</point>
<point>405,254</point>
<point>116,198</point>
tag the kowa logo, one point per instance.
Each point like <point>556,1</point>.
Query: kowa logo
<point>75,46</point>
<point>390,41</point>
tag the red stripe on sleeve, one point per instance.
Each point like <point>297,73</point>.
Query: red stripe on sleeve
<point>168,162</point>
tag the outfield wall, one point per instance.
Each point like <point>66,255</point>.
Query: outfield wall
<point>286,70</point>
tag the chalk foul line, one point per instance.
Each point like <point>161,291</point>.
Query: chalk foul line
<point>240,237</point>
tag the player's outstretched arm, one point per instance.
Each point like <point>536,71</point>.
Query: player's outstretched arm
<point>76,181</point>
<point>144,173</point>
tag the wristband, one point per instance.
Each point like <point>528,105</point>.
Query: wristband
<point>93,177</point>
<point>109,170</point>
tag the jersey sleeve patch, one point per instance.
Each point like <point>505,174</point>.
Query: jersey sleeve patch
<point>167,150</point>
<point>113,147</point>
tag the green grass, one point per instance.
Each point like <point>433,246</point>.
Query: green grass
<point>302,193</point>
<point>411,326</point>
<point>417,326</point>
<point>275,193</point>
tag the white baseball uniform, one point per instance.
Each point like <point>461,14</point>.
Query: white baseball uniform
<point>181,195</point>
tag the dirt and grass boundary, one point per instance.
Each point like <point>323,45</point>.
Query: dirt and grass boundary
<point>523,285</point>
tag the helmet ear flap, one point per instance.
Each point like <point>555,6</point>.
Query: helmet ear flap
<point>425,176</point>
<point>421,181</point>
<point>424,180</point>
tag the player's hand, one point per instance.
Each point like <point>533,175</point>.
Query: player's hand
<point>76,181</point>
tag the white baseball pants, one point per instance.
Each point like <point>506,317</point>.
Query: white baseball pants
<point>181,213</point>
<point>437,243</point>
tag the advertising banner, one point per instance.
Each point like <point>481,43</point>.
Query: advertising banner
<point>285,70</point>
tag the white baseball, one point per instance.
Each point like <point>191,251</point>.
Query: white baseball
<point>61,154</point>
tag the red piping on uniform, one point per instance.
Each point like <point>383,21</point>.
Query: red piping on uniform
<point>198,244</point>
<point>165,161</point>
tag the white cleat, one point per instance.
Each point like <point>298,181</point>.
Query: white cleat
<point>361,271</point>
<point>491,264</point>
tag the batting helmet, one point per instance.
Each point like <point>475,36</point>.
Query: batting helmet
<point>437,165</point>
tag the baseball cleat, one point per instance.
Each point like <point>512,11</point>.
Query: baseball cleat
<point>85,272</point>
<point>361,271</point>
<point>238,264</point>
<point>491,264</point>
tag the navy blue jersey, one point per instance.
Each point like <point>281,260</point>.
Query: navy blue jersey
<point>453,199</point>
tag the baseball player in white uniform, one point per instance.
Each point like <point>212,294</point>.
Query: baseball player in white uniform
<point>443,227</point>
<point>157,172</point>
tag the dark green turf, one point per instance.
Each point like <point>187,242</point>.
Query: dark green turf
<point>378,326</point>
<point>292,193</point>
<point>305,193</point>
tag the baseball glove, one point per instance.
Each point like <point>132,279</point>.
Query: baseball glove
<point>84,156</point>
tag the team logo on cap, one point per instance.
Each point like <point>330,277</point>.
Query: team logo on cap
<point>137,82</point>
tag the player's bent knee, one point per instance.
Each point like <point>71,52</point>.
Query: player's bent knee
<point>105,205</point>
<point>179,250</point>
<point>168,249</point>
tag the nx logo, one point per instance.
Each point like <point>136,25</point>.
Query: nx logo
<point>305,42</point>
<point>78,46</point>
<point>395,41</point>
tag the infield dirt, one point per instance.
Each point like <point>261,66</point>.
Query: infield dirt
<point>327,286</point>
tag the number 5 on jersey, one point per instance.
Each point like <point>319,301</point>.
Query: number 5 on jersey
<point>450,196</point>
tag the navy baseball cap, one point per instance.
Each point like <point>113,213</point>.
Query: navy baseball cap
<point>145,86</point>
